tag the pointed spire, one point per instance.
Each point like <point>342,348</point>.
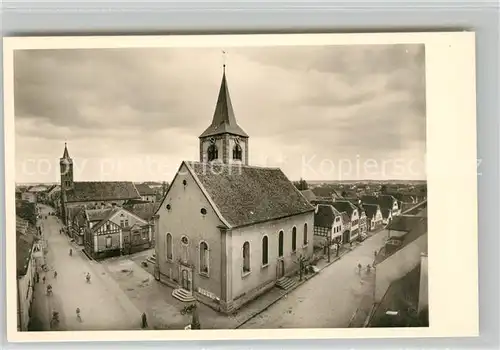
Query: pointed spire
<point>224,120</point>
<point>66,153</point>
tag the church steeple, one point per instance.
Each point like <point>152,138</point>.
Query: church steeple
<point>66,153</point>
<point>66,170</point>
<point>224,140</point>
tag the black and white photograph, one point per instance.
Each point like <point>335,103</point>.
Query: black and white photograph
<point>222,187</point>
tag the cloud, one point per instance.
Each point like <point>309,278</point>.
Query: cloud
<point>333,102</point>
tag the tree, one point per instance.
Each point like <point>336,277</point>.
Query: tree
<point>301,184</point>
<point>302,266</point>
<point>383,189</point>
<point>344,194</point>
<point>164,188</point>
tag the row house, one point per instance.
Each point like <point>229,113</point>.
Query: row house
<point>29,255</point>
<point>328,225</point>
<point>115,231</point>
<point>373,216</point>
<point>363,221</point>
<point>389,206</point>
<point>344,206</point>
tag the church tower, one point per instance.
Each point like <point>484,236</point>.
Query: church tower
<point>66,169</point>
<point>224,140</point>
<point>67,184</point>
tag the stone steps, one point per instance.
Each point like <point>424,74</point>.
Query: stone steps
<point>151,259</point>
<point>183,295</point>
<point>285,283</point>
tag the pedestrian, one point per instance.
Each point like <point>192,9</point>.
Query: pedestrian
<point>55,274</point>
<point>368,268</point>
<point>43,279</point>
<point>359,268</point>
<point>37,277</point>
<point>144,321</point>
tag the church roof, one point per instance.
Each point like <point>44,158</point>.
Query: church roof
<point>66,153</point>
<point>102,191</point>
<point>224,120</point>
<point>246,195</point>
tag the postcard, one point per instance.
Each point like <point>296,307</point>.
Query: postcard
<point>241,186</point>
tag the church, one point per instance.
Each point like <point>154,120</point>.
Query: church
<point>77,196</point>
<point>227,231</point>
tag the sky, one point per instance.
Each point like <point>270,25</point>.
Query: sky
<point>318,112</point>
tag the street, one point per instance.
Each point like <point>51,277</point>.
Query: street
<point>102,303</point>
<point>329,299</point>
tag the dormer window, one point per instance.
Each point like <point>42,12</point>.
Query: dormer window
<point>213,152</point>
<point>237,152</point>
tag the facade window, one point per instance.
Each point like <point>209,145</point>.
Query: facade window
<point>305,234</point>
<point>280,244</point>
<point>108,227</point>
<point>185,249</point>
<point>213,153</point>
<point>294,239</point>
<point>108,242</point>
<point>204,258</point>
<point>265,251</point>
<point>126,223</point>
<point>246,257</point>
<point>168,243</point>
<point>237,152</point>
<point>122,223</point>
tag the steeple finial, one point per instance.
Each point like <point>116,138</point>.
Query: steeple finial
<point>223,61</point>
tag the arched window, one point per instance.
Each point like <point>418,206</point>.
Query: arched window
<point>280,244</point>
<point>213,153</point>
<point>294,239</point>
<point>168,246</point>
<point>204,258</point>
<point>305,234</point>
<point>265,250</point>
<point>246,257</point>
<point>237,152</point>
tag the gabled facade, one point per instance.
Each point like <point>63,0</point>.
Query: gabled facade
<point>328,225</point>
<point>374,217</point>
<point>345,206</point>
<point>112,231</point>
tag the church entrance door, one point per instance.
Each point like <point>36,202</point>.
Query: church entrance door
<point>281,268</point>
<point>186,279</point>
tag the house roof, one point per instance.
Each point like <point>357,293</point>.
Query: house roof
<point>144,190</point>
<point>98,214</point>
<point>404,223</point>
<point>309,194</point>
<point>73,211</point>
<point>325,215</point>
<point>106,217</point>
<point>386,201</point>
<point>102,191</point>
<point>224,120</point>
<point>371,209</point>
<point>369,200</point>
<point>415,230</point>
<point>246,195</point>
<point>402,294</point>
<point>145,211</point>
<point>344,206</point>
<point>24,247</point>
<point>346,218</point>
